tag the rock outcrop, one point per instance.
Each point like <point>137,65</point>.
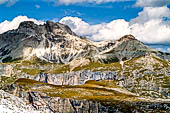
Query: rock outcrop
<point>12,104</point>
<point>60,105</point>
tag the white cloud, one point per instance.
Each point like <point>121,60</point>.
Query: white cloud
<point>8,2</point>
<point>111,31</point>
<point>148,27</point>
<point>139,3</point>
<point>37,6</point>
<point>67,2</point>
<point>152,3</point>
<point>3,1</point>
<point>79,26</point>
<point>9,25</point>
<point>168,49</point>
<point>153,31</point>
<point>163,48</point>
<point>104,31</point>
<point>151,13</point>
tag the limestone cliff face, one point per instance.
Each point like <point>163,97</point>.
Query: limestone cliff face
<point>75,78</point>
<point>12,104</point>
<point>44,103</point>
<point>60,105</point>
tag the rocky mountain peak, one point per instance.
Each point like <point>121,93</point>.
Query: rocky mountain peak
<point>51,27</point>
<point>28,24</point>
<point>127,37</point>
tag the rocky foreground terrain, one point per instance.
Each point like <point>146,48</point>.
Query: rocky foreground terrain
<point>48,68</point>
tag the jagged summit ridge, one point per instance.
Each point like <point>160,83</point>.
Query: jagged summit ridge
<point>50,26</point>
<point>27,24</point>
<point>57,43</point>
<point>127,37</point>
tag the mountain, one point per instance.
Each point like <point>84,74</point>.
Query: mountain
<point>55,42</point>
<point>56,70</point>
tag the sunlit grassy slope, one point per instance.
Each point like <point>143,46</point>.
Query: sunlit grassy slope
<point>104,90</point>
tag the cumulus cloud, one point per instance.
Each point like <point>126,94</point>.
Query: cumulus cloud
<point>148,27</point>
<point>9,25</point>
<point>152,3</point>
<point>80,27</point>
<point>151,13</point>
<point>104,31</point>
<point>8,2</point>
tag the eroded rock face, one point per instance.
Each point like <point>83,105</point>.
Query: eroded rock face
<point>44,103</point>
<point>6,70</point>
<point>76,63</point>
<point>59,105</point>
<point>13,104</point>
<point>75,78</point>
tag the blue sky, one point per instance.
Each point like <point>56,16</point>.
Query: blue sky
<point>147,20</point>
<point>90,12</point>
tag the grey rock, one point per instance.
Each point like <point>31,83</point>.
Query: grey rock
<point>42,102</point>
